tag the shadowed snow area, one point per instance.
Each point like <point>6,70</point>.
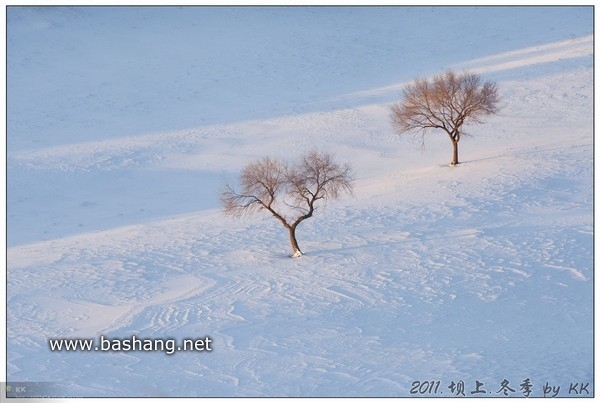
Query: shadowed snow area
<point>124,124</point>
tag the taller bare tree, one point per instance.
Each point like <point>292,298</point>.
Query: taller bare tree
<point>289,192</point>
<point>447,102</point>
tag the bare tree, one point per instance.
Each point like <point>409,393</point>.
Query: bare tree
<point>289,192</point>
<point>447,102</point>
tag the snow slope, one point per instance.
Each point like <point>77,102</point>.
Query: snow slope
<point>481,272</point>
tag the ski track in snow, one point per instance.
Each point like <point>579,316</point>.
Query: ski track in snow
<point>429,272</point>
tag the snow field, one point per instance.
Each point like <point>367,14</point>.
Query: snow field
<point>422,283</point>
<point>482,271</point>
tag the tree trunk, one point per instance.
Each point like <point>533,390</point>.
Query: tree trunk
<point>295,248</point>
<point>454,153</point>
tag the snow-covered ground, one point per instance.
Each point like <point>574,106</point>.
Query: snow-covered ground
<point>123,124</point>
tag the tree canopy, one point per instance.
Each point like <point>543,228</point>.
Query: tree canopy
<point>290,192</point>
<point>447,102</point>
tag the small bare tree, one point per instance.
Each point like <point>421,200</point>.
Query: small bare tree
<point>289,192</point>
<point>448,102</point>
